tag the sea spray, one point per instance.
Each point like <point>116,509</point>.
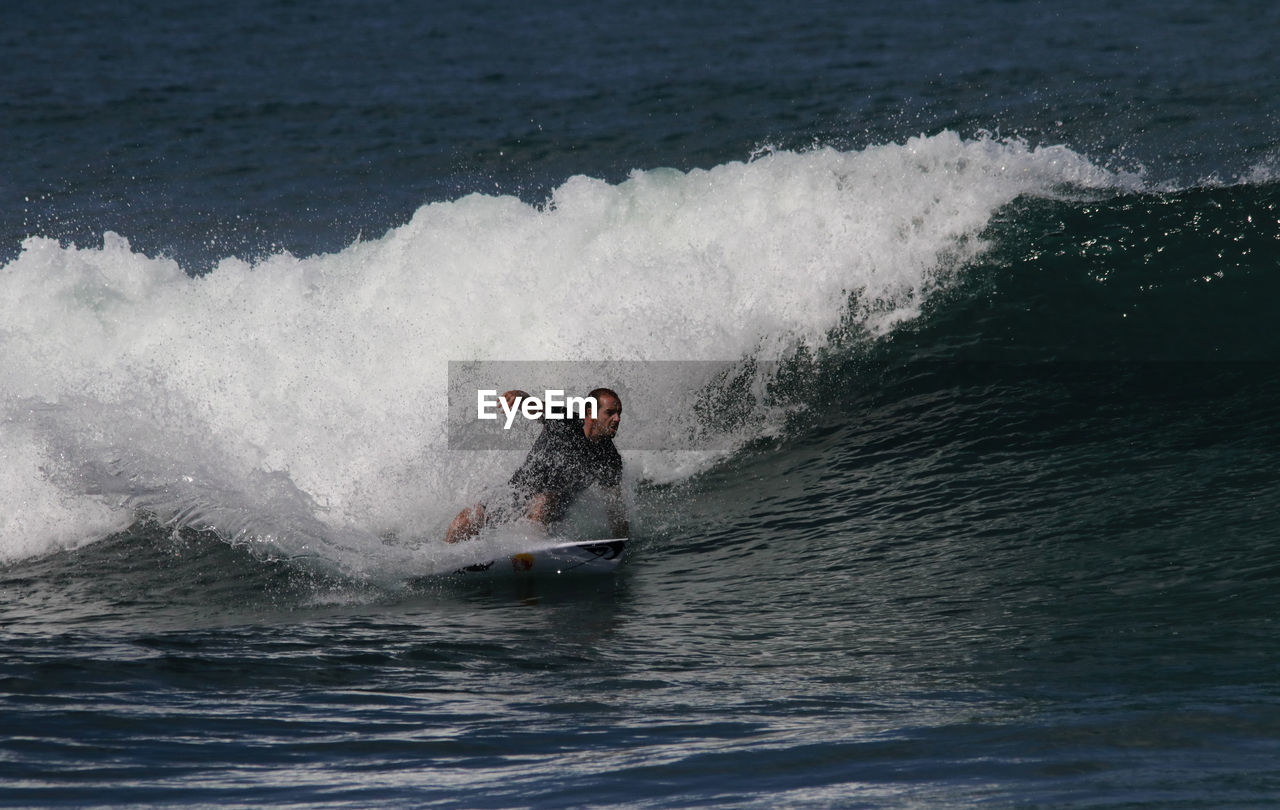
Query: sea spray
<point>329,372</point>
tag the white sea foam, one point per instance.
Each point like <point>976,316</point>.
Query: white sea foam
<point>299,403</point>
<point>1264,171</point>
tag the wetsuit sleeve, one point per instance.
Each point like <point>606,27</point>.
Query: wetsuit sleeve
<point>549,465</point>
<point>610,470</point>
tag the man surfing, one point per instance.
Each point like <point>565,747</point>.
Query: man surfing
<point>569,456</point>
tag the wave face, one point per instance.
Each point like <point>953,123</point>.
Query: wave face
<point>299,403</point>
<point>1171,276</point>
<point>990,513</point>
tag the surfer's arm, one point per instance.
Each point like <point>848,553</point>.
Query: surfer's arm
<point>513,398</point>
<point>617,512</point>
<point>540,507</point>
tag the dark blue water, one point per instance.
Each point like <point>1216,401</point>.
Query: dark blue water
<point>996,522</point>
<point>203,130</point>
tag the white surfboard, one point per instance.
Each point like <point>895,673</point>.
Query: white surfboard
<point>573,557</point>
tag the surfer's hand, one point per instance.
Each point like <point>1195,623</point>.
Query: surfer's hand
<point>513,397</point>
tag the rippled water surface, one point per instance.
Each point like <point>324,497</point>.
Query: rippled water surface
<point>994,516</point>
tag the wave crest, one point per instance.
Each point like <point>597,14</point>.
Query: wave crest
<point>330,370</point>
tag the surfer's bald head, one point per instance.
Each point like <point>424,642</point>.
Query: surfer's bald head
<point>604,392</point>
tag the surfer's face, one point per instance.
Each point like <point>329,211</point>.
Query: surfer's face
<point>608,417</point>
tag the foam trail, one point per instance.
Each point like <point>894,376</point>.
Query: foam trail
<point>329,372</point>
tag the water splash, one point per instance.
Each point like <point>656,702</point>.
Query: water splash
<point>301,401</point>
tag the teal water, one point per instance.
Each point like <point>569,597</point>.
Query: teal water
<point>997,527</point>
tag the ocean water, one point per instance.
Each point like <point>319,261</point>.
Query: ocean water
<point>992,517</point>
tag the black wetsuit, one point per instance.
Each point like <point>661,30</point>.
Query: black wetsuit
<point>563,463</point>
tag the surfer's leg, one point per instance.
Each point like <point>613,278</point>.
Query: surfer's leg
<point>466,525</point>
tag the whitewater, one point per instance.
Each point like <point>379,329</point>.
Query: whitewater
<point>298,404</point>
<point>945,338</point>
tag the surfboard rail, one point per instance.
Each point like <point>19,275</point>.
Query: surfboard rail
<point>569,557</point>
